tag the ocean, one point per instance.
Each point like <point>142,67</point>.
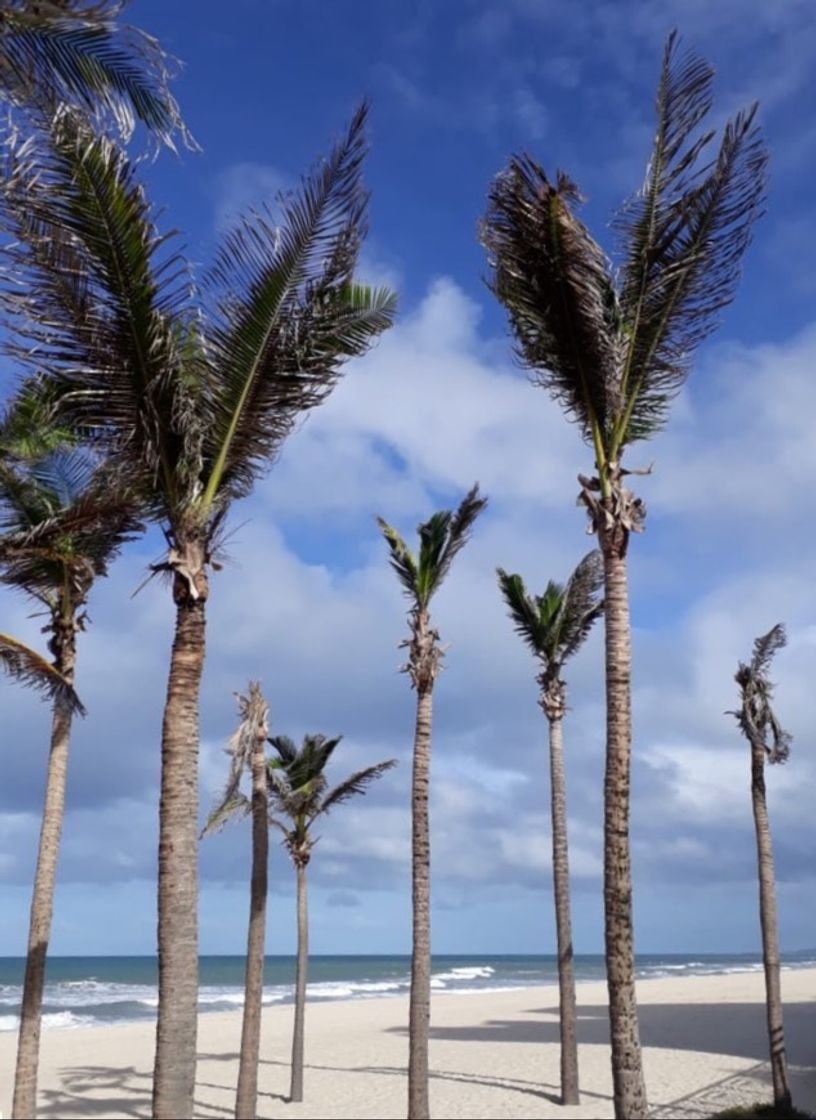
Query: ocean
<point>89,991</point>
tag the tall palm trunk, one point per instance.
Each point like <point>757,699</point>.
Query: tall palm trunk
<point>246,1099</point>
<point>627,1063</point>
<point>568,1019</point>
<point>175,1064</point>
<point>298,1035</point>
<point>770,928</point>
<point>420,1007</point>
<point>42,902</point>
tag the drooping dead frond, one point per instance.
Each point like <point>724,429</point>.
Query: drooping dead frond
<point>581,605</point>
<point>756,717</point>
<point>27,666</point>
<point>253,713</point>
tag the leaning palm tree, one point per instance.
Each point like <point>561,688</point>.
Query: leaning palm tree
<point>555,625</point>
<point>769,743</point>
<point>247,750</point>
<point>421,575</point>
<point>299,796</point>
<point>613,346</point>
<point>62,522</point>
<point>193,392</point>
<point>76,52</point>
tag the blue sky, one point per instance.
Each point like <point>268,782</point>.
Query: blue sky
<point>307,603</point>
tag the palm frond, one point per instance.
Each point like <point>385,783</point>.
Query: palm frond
<point>756,716</point>
<point>287,315</point>
<point>401,559</point>
<point>92,296</point>
<point>460,526</point>
<point>227,810</point>
<point>287,751</point>
<point>253,713</point>
<point>355,785</point>
<point>555,284</point>
<point>27,666</point>
<point>581,605</point>
<point>685,237</point>
<point>76,53</point>
<point>523,609</point>
<point>29,429</point>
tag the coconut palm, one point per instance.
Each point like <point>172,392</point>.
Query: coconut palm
<point>555,625</point>
<point>613,346</point>
<point>62,522</point>
<point>769,743</point>
<point>247,750</point>
<point>77,52</point>
<point>299,796</point>
<point>193,391</point>
<point>421,575</point>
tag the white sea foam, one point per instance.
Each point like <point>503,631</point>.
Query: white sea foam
<point>457,975</point>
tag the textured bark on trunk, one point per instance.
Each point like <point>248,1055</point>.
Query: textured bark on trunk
<point>770,929</point>
<point>246,1098</point>
<point>568,1016</point>
<point>420,1006</point>
<point>175,1065</point>
<point>627,1063</point>
<point>298,1035</point>
<point>42,902</point>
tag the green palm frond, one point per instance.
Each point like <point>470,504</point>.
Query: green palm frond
<point>355,785</point>
<point>76,53</point>
<point>402,560</point>
<point>433,536</point>
<point>287,751</point>
<point>756,716</point>
<point>23,664</point>
<point>554,281</point>
<point>29,429</point>
<point>287,315</point>
<point>684,236</point>
<point>523,609</point>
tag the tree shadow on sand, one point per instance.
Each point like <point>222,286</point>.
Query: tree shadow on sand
<point>100,1091</point>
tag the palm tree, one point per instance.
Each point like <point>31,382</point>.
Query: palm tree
<point>613,346</point>
<point>193,392</point>
<point>440,539</point>
<point>299,796</point>
<point>247,749</point>
<point>62,522</point>
<point>555,625</point>
<point>76,52</point>
<point>769,743</point>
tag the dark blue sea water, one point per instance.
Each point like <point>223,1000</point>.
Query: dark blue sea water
<point>85,991</point>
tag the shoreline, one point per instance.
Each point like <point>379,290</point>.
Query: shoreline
<point>492,1055</point>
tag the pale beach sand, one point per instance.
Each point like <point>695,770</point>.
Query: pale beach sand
<point>492,1055</point>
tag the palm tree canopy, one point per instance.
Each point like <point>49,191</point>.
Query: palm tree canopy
<point>24,664</point>
<point>756,716</point>
<point>440,539</point>
<point>556,624</point>
<point>299,790</point>
<point>194,390</point>
<point>613,346</point>
<point>76,52</point>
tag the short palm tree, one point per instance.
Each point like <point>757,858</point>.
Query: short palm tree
<point>62,523</point>
<point>555,625</point>
<point>299,797</point>
<point>76,52</point>
<point>247,750</point>
<point>421,576</point>
<point>193,391</point>
<point>769,743</point>
<point>613,346</point>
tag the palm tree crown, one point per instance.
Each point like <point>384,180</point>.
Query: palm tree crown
<point>556,624</point>
<point>299,791</point>
<point>614,346</point>
<point>756,717</point>
<point>75,52</point>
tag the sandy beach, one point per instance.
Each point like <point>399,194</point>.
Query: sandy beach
<point>492,1055</point>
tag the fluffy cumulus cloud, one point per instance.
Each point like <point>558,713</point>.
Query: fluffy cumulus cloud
<point>308,605</point>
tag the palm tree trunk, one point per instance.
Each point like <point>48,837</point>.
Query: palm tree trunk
<point>42,902</point>
<point>175,1064</point>
<point>627,1062</point>
<point>296,1087</point>
<point>568,1017</point>
<point>770,929</point>
<point>246,1099</point>
<point>420,1006</point>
